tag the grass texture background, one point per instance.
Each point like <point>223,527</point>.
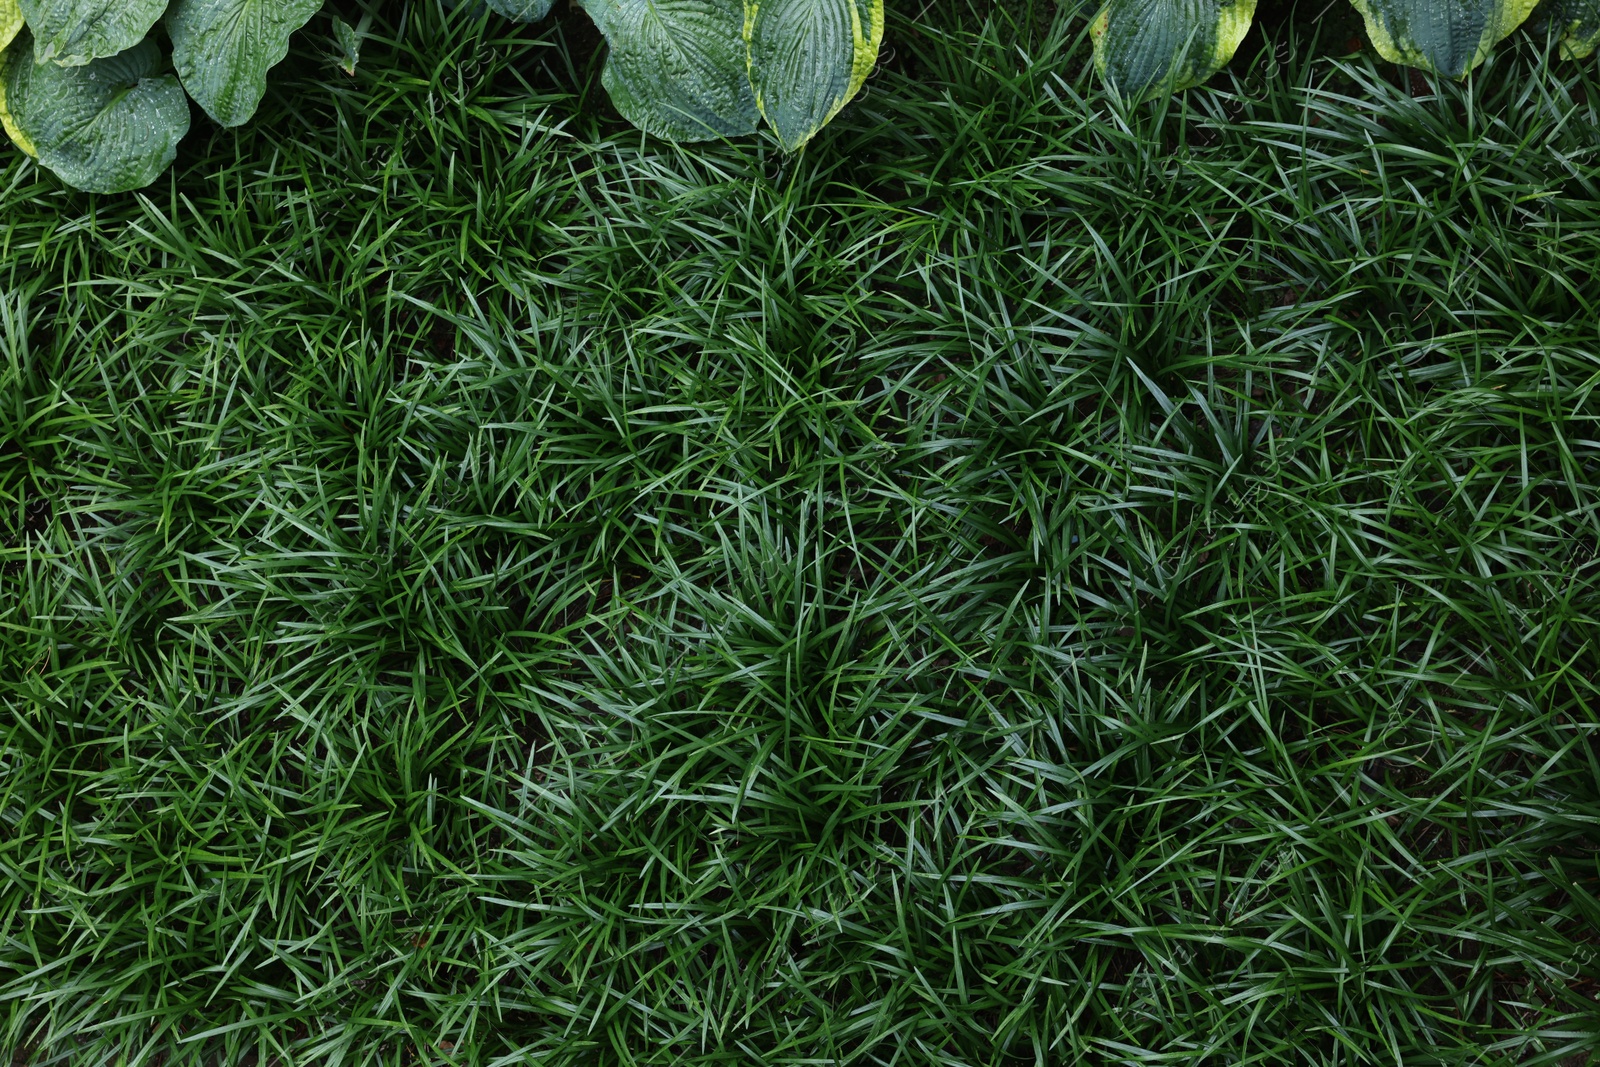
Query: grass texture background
<point>1023,582</point>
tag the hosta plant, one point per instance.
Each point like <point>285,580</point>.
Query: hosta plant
<point>86,88</point>
<point>696,69</point>
<point>1147,47</point>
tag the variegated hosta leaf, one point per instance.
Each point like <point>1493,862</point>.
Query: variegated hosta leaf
<point>106,127</point>
<point>7,123</point>
<point>73,32</point>
<point>1578,22</point>
<point>1449,37</point>
<point>224,48</point>
<point>10,22</point>
<point>522,10</point>
<point>677,68</point>
<point>1146,47</point>
<point>808,58</point>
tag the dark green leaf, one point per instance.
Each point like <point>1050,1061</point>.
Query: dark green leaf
<point>522,10</point>
<point>224,48</point>
<point>73,32</point>
<point>105,127</point>
<point>677,68</point>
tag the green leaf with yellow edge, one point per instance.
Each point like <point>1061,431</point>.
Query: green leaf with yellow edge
<point>677,68</point>
<point>1578,23</point>
<point>8,123</point>
<point>10,22</point>
<point>1448,37</point>
<point>74,32</point>
<point>1146,47</point>
<point>223,49</point>
<point>104,127</point>
<point>10,25</point>
<point>808,58</point>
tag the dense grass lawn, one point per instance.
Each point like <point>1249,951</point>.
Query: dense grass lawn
<point>1025,582</point>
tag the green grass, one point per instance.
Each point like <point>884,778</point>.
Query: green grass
<point>1021,583</point>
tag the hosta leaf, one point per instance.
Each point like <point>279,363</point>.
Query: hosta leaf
<point>1449,37</point>
<point>1578,22</point>
<point>224,48</point>
<point>10,22</point>
<point>106,127</point>
<point>8,123</point>
<point>73,32</point>
<point>1145,47</point>
<point>808,58</point>
<point>677,68</point>
<point>522,10</point>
